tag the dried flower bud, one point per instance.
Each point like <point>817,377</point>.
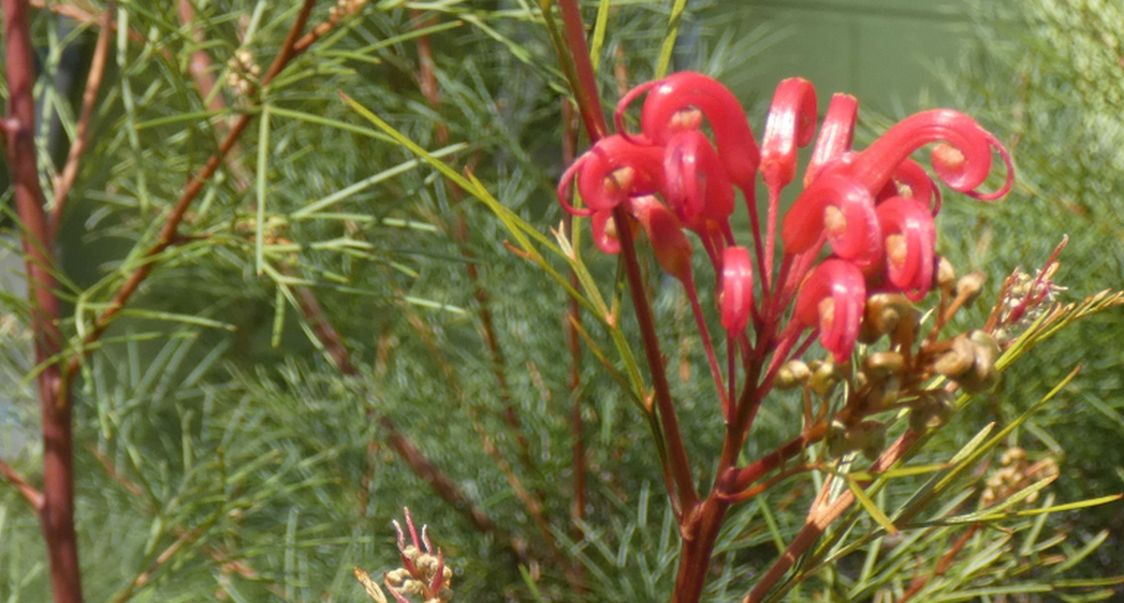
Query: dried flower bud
<point>883,364</point>
<point>946,274</point>
<point>824,378</point>
<point>397,577</point>
<point>792,374</point>
<point>837,444</point>
<point>958,360</point>
<point>883,313</point>
<point>970,285</point>
<point>869,437</point>
<point>931,410</point>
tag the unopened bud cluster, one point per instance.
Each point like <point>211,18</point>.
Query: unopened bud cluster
<point>1015,474</point>
<point>423,574</point>
<point>244,73</point>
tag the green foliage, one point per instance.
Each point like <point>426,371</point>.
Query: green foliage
<point>222,452</point>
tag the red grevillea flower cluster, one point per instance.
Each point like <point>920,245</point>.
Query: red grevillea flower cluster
<point>872,210</point>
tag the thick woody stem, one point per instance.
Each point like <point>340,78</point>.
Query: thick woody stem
<point>57,508</point>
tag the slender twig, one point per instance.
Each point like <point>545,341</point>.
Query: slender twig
<point>30,493</point>
<point>427,82</point>
<point>57,507</point>
<point>65,180</point>
<point>334,19</point>
<point>531,504</point>
<point>822,515</point>
<point>168,232</point>
<point>573,338</point>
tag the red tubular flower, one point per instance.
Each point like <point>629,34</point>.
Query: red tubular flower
<point>917,184</point>
<point>697,186</point>
<point>832,299</point>
<point>840,208</point>
<point>605,232</point>
<point>910,244</point>
<point>611,172</point>
<point>735,298</point>
<point>673,104</point>
<point>963,162</point>
<point>790,125</point>
<point>672,248</point>
<point>836,134</point>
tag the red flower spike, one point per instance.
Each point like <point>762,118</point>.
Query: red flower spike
<point>672,248</point>
<point>962,163</point>
<point>605,232</point>
<point>668,109</point>
<point>697,186</point>
<point>832,299</point>
<point>736,297</point>
<point>836,134</point>
<point>610,172</point>
<point>840,208</point>
<point>790,125</point>
<point>910,244</point>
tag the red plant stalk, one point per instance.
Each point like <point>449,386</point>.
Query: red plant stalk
<point>56,512</point>
<point>589,106</point>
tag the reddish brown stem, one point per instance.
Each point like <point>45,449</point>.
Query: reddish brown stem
<point>822,515</point>
<point>942,566</point>
<point>427,82</point>
<point>585,84</point>
<point>573,338</point>
<point>65,180</point>
<point>30,493</point>
<point>57,507</point>
<point>168,232</point>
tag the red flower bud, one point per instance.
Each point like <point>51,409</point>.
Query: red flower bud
<point>674,104</point>
<point>840,208</point>
<point>697,186</point>
<point>605,232</point>
<point>791,124</point>
<point>736,296</point>
<point>832,299</point>
<point>911,180</point>
<point>611,172</point>
<point>910,241</point>
<point>836,134</point>
<point>672,248</point>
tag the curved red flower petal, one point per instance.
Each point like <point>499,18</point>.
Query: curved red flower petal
<point>697,186</point>
<point>839,207</point>
<point>671,246</point>
<point>832,298</point>
<point>910,235</point>
<point>791,124</point>
<point>736,296</point>
<point>962,162</point>
<point>918,184</point>
<point>667,110</point>
<point>565,184</point>
<point>605,232</point>
<point>836,134</point>
<point>616,169</point>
